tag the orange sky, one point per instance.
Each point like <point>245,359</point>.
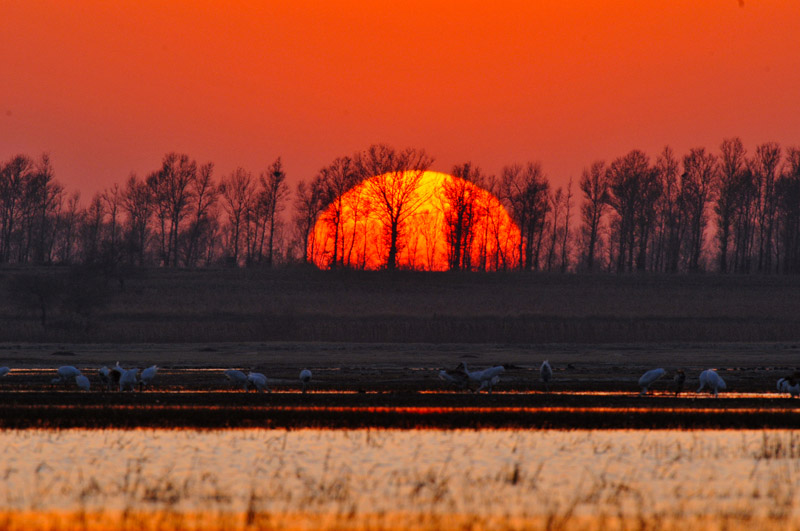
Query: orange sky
<point>109,87</point>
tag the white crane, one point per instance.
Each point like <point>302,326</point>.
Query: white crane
<point>709,378</point>
<point>305,377</point>
<point>146,378</point>
<point>82,382</point>
<point>546,374</point>
<point>65,373</point>
<point>237,378</point>
<point>258,380</point>
<point>789,385</point>
<point>4,371</point>
<point>129,380</point>
<point>649,379</point>
<point>487,377</point>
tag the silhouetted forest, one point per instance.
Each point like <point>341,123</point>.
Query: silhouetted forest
<point>727,211</point>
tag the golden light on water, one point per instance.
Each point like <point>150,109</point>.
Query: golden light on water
<point>352,232</point>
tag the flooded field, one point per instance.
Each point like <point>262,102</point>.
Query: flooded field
<point>399,479</point>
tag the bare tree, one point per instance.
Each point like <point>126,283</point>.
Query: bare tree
<point>764,167</point>
<point>92,230</point>
<point>112,200</point>
<point>137,202</point>
<point>308,204</point>
<point>13,176</point>
<point>556,199</point>
<point>671,225</point>
<point>461,209</point>
<point>634,191</point>
<point>595,187</point>
<point>787,191</point>
<point>565,250</point>
<point>204,194</point>
<point>172,189</point>
<point>237,192</point>
<point>525,190</point>
<point>338,178</point>
<point>697,185</point>
<point>272,196</point>
<point>70,223</point>
<point>392,179</point>
<point>731,167</point>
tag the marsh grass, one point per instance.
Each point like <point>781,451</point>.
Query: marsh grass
<point>302,304</point>
<point>377,479</point>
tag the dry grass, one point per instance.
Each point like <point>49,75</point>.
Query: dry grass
<point>401,480</point>
<point>304,304</point>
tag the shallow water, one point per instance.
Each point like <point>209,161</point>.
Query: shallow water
<point>239,479</point>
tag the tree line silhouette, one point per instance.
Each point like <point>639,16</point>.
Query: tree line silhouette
<point>718,212</point>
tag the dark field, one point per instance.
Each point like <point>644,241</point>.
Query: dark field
<point>305,304</point>
<point>376,341</point>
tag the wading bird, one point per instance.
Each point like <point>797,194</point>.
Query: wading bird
<point>789,385</point>
<point>305,377</point>
<point>237,378</point>
<point>487,377</point>
<point>65,373</point>
<point>680,379</point>
<point>649,379</point>
<point>129,380</point>
<point>546,374</point>
<point>146,378</point>
<point>82,382</point>
<point>4,371</point>
<point>258,380</point>
<point>709,378</point>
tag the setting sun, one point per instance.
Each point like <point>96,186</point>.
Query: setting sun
<point>445,223</point>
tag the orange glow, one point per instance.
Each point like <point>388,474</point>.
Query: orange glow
<point>353,229</point>
<point>109,87</point>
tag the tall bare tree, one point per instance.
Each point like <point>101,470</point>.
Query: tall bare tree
<point>113,199</point>
<point>764,167</point>
<point>204,195</point>
<point>525,189</point>
<point>461,209</point>
<point>392,179</point>
<point>634,191</point>
<point>272,195</point>
<point>787,191</point>
<point>338,178</point>
<point>13,176</point>
<point>237,192</point>
<point>595,187</point>
<point>697,189</point>
<point>308,204</point>
<point>731,168</point>
<point>137,202</point>
<point>671,225</point>
<point>172,191</point>
<point>566,235</point>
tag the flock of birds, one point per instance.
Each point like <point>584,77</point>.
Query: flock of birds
<point>129,379</point>
<point>461,377</point>
<point>709,379</point>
